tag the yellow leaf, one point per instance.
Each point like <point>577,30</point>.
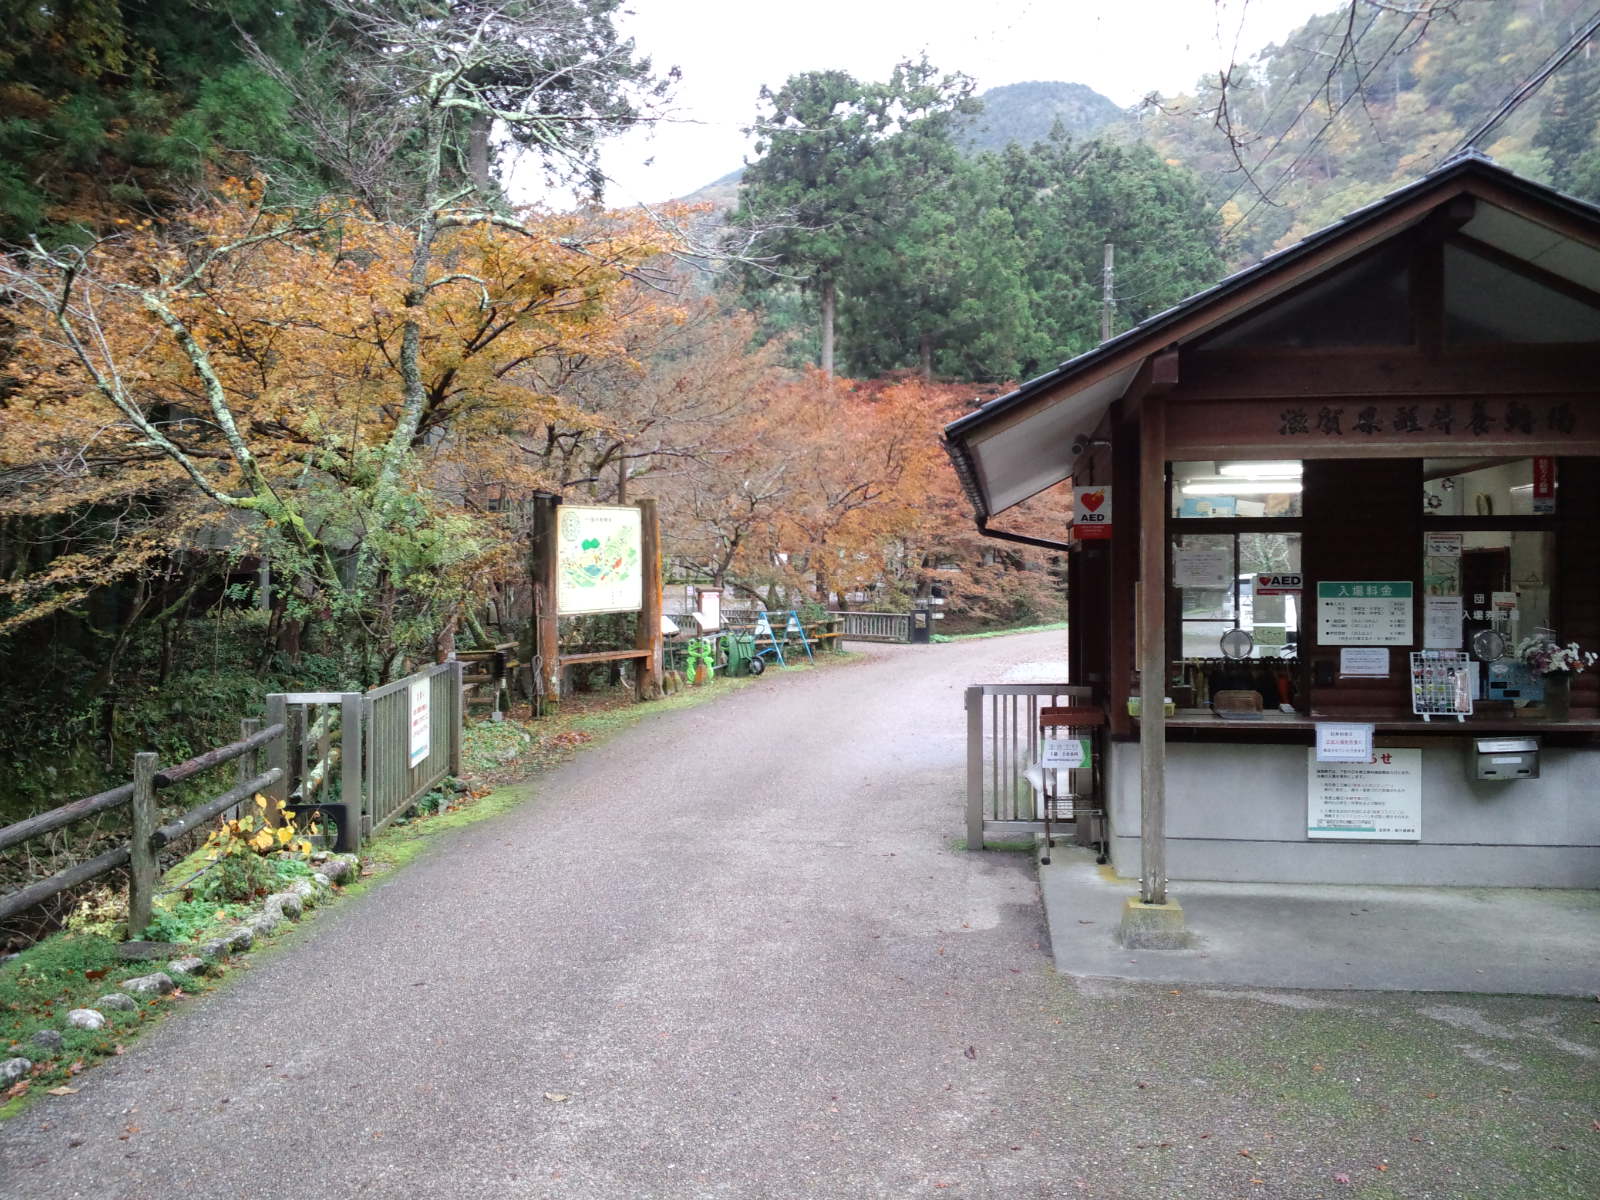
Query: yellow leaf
<point>261,801</point>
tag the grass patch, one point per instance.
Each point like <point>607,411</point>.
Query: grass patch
<point>994,633</point>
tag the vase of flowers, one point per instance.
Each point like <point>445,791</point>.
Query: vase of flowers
<point>1554,665</point>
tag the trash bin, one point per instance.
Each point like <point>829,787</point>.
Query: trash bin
<point>738,648</point>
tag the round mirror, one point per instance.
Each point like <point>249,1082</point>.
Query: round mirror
<point>1488,645</point>
<point>1237,644</point>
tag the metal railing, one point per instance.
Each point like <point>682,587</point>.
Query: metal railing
<point>398,766</point>
<point>876,626</point>
<point>1002,743</point>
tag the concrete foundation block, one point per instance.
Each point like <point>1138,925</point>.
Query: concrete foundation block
<point>1152,926</point>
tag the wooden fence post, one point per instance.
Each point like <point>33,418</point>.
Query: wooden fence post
<point>647,675</point>
<point>542,571</point>
<point>975,768</point>
<point>278,752</point>
<point>247,768</point>
<point>351,796</point>
<point>458,708</point>
<point>142,865</point>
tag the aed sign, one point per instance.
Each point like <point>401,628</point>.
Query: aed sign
<point>1284,583</point>
<point>1091,507</point>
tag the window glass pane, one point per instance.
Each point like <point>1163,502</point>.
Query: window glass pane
<point>1236,489</point>
<point>1209,555</point>
<point>1203,639</point>
<point>1272,619</point>
<point>1477,487</point>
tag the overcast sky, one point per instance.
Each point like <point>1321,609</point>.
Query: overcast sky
<point>727,49</point>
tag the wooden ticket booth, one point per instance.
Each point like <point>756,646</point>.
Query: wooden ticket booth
<point>1349,463</point>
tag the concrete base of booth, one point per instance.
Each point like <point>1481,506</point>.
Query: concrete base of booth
<point>1152,926</point>
<point>1238,812</point>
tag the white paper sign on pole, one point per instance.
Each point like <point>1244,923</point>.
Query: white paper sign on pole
<point>1443,545</point>
<point>1063,752</point>
<point>1202,566</point>
<point>421,719</point>
<point>1344,741</point>
<point>1441,623</point>
<point>1375,802</point>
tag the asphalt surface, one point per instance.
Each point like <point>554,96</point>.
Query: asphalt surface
<point>737,952</point>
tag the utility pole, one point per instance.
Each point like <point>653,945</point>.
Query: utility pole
<point>1108,296</point>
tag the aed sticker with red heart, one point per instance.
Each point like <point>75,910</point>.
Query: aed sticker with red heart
<point>1092,511</point>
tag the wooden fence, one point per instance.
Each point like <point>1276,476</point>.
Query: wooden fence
<point>382,766</point>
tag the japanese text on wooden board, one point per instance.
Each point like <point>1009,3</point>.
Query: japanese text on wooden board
<point>1480,418</point>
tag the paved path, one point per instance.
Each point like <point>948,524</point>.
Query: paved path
<point>740,941</point>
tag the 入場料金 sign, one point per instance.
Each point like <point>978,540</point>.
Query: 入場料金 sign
<point>1364,612</point>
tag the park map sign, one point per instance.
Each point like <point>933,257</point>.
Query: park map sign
<point>598,560</point>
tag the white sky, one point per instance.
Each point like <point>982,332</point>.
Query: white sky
<point>728,48</point>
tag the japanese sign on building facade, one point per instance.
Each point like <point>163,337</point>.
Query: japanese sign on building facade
<point>1431,420</point>
<point>598,560</point>
<point>1380,801</point>
<point>1364,612</point>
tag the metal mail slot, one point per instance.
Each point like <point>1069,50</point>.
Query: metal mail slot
<point>1505,758</point>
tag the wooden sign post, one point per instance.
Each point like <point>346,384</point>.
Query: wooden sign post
<point>647,672</point>
<point>542,574</point>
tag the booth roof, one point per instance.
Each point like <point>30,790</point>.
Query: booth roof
<point>1015,446</point>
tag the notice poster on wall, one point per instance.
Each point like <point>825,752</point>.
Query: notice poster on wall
<point>598,566</point>
<point>1441,623</point>
<point>421,726</point>
<point>1202,566</point>
<point>1379,801</point>
<point>1364,612</point>
<point>1344,742</point>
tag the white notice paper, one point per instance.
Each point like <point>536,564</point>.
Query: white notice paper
<point>1344,742</point>
<point>1202,566</point>
<point>1372,662</point>
<point>419,694</point>
<point>1441,623</point>
<point>1375,802</point>
<point>1063,752</point>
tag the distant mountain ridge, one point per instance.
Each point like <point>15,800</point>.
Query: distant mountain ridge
<point>1016,112</point>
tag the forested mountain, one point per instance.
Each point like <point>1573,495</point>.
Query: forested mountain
<point>1310,143</point>
<point>1026,113</point>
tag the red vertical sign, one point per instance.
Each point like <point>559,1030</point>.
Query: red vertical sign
<point>1544,486</point>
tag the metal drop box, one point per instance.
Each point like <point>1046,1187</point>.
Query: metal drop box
<point>1504,758</point>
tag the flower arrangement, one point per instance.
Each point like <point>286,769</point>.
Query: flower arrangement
<point>1546,656</point>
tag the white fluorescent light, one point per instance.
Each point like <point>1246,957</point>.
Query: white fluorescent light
<point>1286,487</point>
<point>1261,470</point>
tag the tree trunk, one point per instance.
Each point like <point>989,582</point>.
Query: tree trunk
<point>827,326</point>
<point>925,346</point>
<point>478,152</point>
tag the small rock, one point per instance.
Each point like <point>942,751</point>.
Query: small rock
<point>265,922</point>
<point>215,948</point>
<point>13,1069</point>
<point>342,868</point>
<point>286,903</point>
<point>322,881</point>
<point>306,890</point>
<point>47,1039</point>
<point>86,1018</point>
<point>241,939</point>
<point>118,1001</point>
<point>158,984</point>
<point>191,965</point>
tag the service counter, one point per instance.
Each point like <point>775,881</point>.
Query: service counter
<point>1239,805</point>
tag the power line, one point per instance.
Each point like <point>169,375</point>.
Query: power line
<point>1529,86</point>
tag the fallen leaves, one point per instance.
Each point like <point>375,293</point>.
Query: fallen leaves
<point>557,1097</point>
<point>970,1052</point>
<point>63,1090</point>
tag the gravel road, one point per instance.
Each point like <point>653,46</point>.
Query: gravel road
<point>737,952</point>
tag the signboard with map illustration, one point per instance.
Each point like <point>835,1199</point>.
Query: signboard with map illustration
<point>597,560</point>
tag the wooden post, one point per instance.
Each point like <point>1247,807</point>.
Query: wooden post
<point>457,713</point>
<point>247,768</point>
<point>975,768</point>
<point>542,574</point>
<point>1153,650</point>
<point>647,674</point>
<point>351,792</point>
<point>142,865</point>
<point>278,752</point>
